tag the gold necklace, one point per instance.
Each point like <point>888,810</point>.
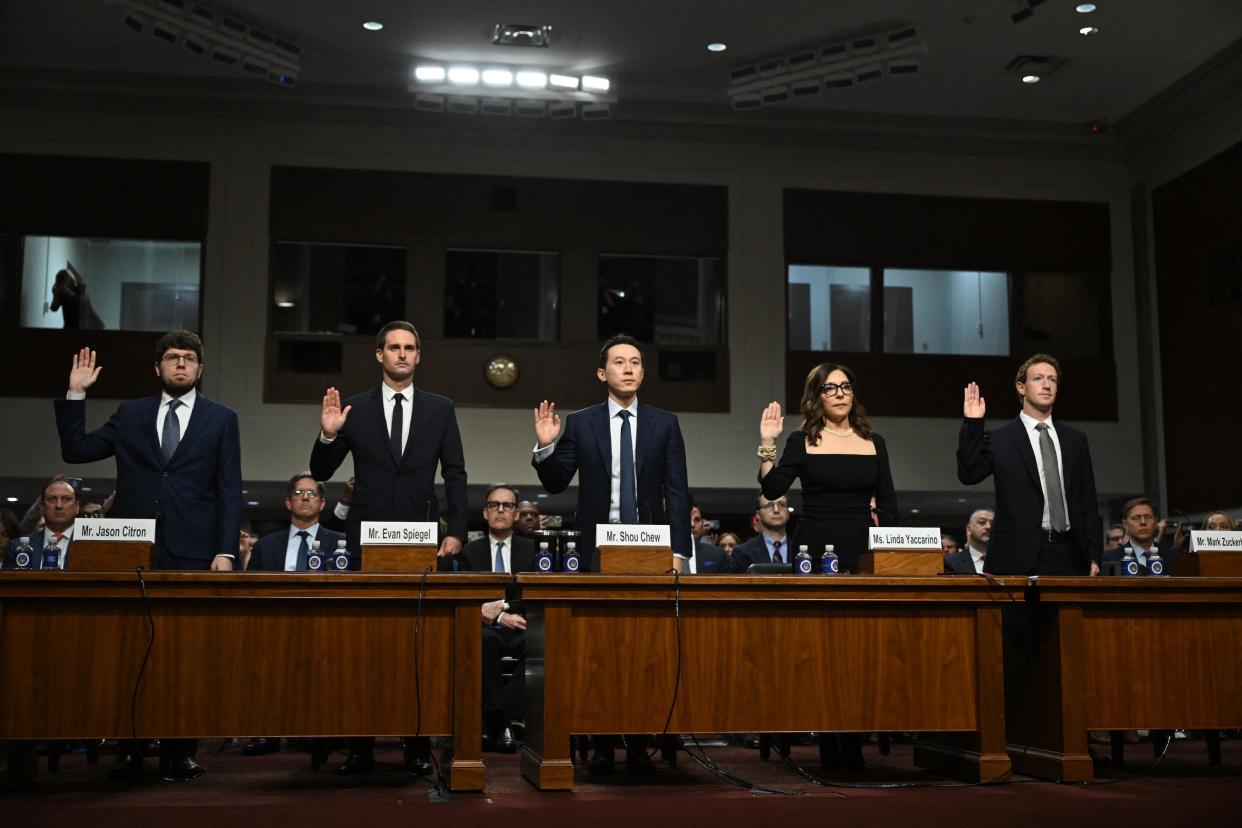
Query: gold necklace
<point>846,433</point>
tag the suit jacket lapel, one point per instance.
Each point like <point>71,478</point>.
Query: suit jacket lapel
<point>1068,458</point>
<point>378,420</point>
<point>1017,430</point>
<point>644,439</point>
<point>198,416</point>
<point>417,420</point>
<point>149,408</point>
<point>599,423</point>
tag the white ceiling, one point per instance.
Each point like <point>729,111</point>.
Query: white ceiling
<point>654,50</point>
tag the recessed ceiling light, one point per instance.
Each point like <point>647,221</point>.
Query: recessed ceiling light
<point>717,47</point>
<point>429,74</point>
<point>284,304</point>
<point>497,77</point>
<point>914,511</point>
<point>1085,8</point>
<point>1087,31</point>
<point>594,84</point>
<point>563,81</point>
<point>11,499</point>
<point>531,80</point>
<point>1030,78</point>
<point>252,503</point>
<point>373,25</point>
<point>465,75</point>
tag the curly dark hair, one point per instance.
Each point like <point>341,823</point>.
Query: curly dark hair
<point>813,417</point>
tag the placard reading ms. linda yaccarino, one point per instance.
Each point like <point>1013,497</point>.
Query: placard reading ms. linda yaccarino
<point>904,537</point>
<point>141,530</point>
<point>633,534</point>
<point>399,533</point>
<point>1215,541</point>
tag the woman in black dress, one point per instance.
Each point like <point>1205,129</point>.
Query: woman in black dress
<point>843,466</point>
<point>841,462</point>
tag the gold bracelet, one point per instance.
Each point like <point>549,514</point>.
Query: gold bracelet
<point>766,453</point>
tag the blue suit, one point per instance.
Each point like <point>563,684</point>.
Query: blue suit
<point>585,448</point>
<point>36,543</point>
<point>268,554</point>
<point>195,497</point>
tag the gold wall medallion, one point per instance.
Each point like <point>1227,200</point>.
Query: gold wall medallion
<point>501,371</point>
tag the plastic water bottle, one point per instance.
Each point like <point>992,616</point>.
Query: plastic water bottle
<point>830,564</point>
<point>802,562</point>
<point>340,558</point>
<point>569,559</point>
<point>23,556</point>
<point>314,558</point>
<point>543,560</point>
<point>1155,564</point>
<point>51,557</point>
<point>1129,565</point>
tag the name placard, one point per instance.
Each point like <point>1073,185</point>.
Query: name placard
<point>1215,541</point>
<point>399,533</point>
<point>905,537</point>
<point>633,534</point>
<point>130,530</point>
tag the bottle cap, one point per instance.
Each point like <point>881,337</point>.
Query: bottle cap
<point>572,546</point>
<point>340,544</point>
<point>801,547</point>
<point>829,548</point>
<point>25,540</point>
<point>543,544</point>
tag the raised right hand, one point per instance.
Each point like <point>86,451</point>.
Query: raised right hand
<point>973,406</point>
<point>332,418</point>
<point>547,423</point>
<point>84,371</point>
<point>771,424</point>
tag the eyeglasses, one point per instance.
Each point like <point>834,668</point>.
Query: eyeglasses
<point>306,493</point>
<point>774,505</point>
<point>500,506</point>
<point>831,389</point>
<point>173,359</point>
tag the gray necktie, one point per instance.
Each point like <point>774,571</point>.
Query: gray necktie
<point>1052,477</point>
<point>172,431</point>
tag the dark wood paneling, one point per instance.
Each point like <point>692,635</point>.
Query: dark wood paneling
<point>1197,227</point>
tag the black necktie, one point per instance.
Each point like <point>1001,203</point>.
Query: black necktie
<point>776,552</point>
<point>303,552</point>
<point>172,431</point>
<point>629,495</point>
<point>397,421</point>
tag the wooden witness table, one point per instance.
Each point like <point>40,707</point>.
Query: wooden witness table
<point>245,654</point>
<point>766,654</point>
<point>1122,654</point>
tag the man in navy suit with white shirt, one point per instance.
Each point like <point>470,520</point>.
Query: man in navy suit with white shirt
<point>287,550</point>
<point>1138,518</point>
<point>59,506</point>
<point>178,461</point>
<point>630,460</point>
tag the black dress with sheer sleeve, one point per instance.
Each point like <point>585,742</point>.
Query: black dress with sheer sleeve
<point>836,496</point>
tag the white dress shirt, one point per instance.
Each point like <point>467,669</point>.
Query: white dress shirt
<point>49,538</point>
<point>295,543</point>
<point>506,551</point>
<point>1029,423</point>
<point>407,411</point>
<point>977,558</point>
<point>614,434</point>
<point>183,412</point>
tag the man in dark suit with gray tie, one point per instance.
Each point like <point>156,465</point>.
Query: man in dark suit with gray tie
<point>178,460</point>
<point>398,435</point>
<point>630,460</point>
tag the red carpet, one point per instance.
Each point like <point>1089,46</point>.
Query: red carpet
<point>278,790</point>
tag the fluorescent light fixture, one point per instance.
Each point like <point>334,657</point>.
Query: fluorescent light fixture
<point>429,74</point>
<point>717,47</point>
<point>591,83</point>
<point>252,503</point>
<point>463,75</point>
<point>1087,31</point>
<point>284,304</point>
<point>532,80</point>
<point>563,81</point>
<point>497,77</point>
<point>1028,79</point>
<point>11,499</point>
<point>373,25</point>
<point>1085,8</point>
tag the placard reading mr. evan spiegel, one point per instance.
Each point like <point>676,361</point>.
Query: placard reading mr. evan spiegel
<point>131,530</point>
<point>398,533</point>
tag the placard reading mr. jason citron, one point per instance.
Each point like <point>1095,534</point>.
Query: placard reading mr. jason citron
<point>140,530</point>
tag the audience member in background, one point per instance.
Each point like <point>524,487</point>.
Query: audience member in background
<point>92,509</point>
<point>10,528</point>
<point>504,625</point>
<point>728,542</point>
<point>771,545</point>
<point>1219,522</point>
<point>948,544</point>
<point>971,559</point>
<point>1139,519</point>
<point>528,519</point>
<point>336,517</point>
<point>59,505</point>
<point>1115,537</point>
<point>245,548</point>
<point>708,558</point>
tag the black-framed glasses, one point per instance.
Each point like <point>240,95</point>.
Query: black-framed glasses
<point>774,505</point>
<point>500,505</point>
<point>831,388</point>
<point>306,493</point>
<point>173,359</point>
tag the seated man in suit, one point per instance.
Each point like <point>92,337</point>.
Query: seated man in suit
<point>286,550</point>
<point>528,520</point>
<point>970,560</point>
<point>1115,537</point>
<point>771,545</point>
<point>948,544</point>
<point>1139,520</point>
<point>708,559</point>
<point>504,626</point>
<point>59,507</point>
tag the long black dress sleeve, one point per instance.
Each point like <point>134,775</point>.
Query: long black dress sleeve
<point>782,475</point>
